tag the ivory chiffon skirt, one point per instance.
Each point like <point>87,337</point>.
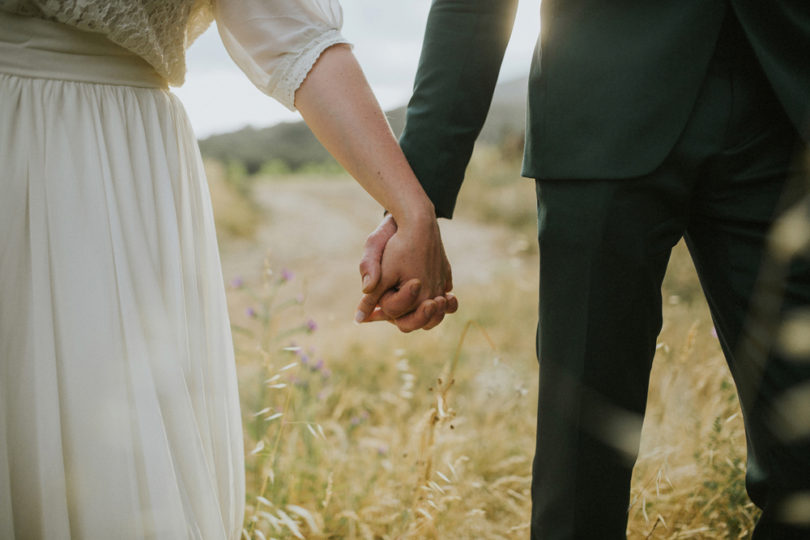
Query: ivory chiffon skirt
<point>119,415</point>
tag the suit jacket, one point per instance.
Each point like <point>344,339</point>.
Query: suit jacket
<point>611,86</point>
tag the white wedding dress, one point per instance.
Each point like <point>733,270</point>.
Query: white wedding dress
<point>119,413</point>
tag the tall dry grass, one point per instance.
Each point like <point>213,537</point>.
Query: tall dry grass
<point>375,441</point>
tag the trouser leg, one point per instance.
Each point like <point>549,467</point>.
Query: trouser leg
<point>749,293</point>
<point>604,247</point>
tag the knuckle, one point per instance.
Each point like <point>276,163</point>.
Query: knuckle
<point>364,264</point>
<point>404,328</point>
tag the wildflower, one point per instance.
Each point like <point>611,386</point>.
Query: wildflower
<point>251,312</point>
<point>311,326</point>
<point>286,276</point>
<point>304,360</point>
<point>237,282</point>
<point>318,366</point>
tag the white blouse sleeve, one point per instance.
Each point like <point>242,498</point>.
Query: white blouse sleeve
<point>276,42</point>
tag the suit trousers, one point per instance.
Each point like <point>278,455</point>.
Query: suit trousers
<point>604,248</point>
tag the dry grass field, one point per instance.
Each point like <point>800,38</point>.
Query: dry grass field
<point>362,432</point>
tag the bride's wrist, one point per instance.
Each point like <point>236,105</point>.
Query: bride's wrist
<point>415,213</point>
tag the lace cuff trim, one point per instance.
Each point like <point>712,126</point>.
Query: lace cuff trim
<point>299,68</point>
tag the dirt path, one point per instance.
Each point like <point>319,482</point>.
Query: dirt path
<point>316,228</point>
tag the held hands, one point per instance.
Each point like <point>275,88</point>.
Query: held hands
<point>406,276</point>
<point>405,271</point>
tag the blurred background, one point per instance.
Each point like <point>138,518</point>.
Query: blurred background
<point>362,432</point>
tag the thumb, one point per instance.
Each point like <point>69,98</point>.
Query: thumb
<point>368,303</point>
<point>366,308</point>
<point>370,263</point>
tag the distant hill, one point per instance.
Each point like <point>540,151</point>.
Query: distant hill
<point>294,145</point>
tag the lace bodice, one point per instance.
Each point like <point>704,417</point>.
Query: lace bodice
<point>275,42</point>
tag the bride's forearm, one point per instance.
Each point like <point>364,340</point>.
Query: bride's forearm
<point>341,110</point>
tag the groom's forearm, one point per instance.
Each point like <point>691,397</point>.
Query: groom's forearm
<point>461,56</point>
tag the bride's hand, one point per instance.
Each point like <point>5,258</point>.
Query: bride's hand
<point>406,275</point>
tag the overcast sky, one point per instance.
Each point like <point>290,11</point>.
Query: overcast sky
<point>386,35</point>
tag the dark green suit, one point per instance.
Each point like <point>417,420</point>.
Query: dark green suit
<point>648,121</point>
<point>611,88</point>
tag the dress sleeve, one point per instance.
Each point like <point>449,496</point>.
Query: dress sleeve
<point>276,42</point>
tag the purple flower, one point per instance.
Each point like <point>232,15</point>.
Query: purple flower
<point>251,312</point>
<point>318,366</point>
<point>286,275</point>
<point>304,359</point>
<point>311,326</point>
<point>237,282</point>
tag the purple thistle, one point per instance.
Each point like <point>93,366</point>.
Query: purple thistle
<point>286,275</point>
<point>311,326</point>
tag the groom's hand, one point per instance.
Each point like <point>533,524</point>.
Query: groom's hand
<point>408,303</point>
